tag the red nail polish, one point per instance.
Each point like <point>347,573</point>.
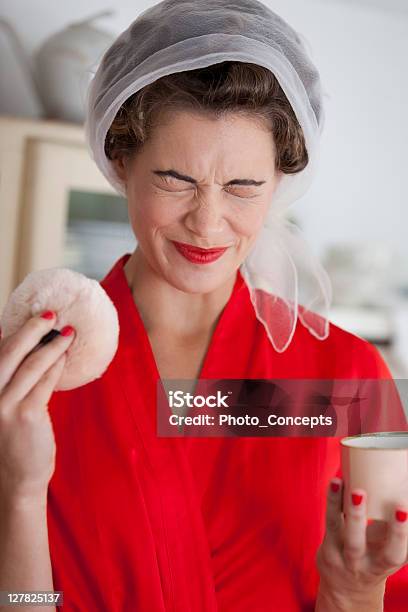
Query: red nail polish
<point>401,516</point>
<point>356,499</point>
<point>48,314</point>
<point>67,330</point>
<point>334,486</point>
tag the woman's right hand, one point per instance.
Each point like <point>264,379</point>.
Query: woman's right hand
<point>27,379</point>
<point>356,557</point>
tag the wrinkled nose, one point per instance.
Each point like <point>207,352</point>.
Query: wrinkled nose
<point>206,215</point>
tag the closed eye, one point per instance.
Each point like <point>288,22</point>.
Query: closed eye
<point>174,183</point>
<point>238,192</point>
<point>243,194</point>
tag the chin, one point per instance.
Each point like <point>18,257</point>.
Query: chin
<point>198,281</point>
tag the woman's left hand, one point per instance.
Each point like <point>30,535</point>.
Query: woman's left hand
<point>355,559</point>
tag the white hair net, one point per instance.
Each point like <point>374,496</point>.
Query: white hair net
<point>284,278</point>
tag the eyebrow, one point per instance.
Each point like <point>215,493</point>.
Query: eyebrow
<point>189,179</point>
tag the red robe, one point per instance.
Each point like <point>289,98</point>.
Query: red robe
<point>144,523</point>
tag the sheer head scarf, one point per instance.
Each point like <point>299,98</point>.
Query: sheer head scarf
<point>284,278</point>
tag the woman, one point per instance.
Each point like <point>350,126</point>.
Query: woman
<point>142,522</point>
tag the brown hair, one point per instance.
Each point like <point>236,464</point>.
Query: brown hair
<point>220,89</point>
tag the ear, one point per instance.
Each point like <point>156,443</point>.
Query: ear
<point>278,177</point>
<point>120,167</point>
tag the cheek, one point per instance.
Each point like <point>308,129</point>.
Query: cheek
<point>149,214</point>
<point>248,222</point>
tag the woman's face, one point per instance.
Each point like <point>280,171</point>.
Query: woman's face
<point>204,182</point>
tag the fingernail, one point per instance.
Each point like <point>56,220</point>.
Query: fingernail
<point>67,330</point>
<point>356,499</point>
<point>401,515</point>
<point>48,314</point>
<point>334,486</point>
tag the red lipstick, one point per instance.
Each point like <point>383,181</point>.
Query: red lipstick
<point>197,255</point>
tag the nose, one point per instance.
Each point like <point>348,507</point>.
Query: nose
<point>206,217</point>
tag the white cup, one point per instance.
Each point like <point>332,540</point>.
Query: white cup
<point>378,463</point>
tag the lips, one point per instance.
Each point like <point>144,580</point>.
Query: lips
<point>198,255</point>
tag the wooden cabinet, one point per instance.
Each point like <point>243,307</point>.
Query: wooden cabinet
<point>45,170</point>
